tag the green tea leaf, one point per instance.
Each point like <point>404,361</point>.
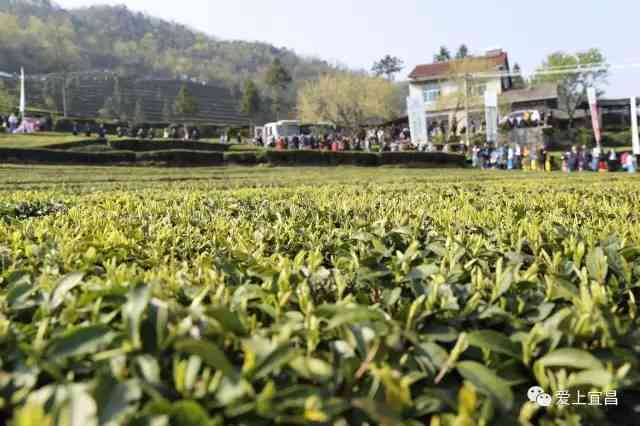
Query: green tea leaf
<point>487,382</point>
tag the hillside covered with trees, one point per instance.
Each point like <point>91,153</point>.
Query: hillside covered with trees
<point>44,38</point>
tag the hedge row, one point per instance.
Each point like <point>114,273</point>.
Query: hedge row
<point>175,157</point>
<point>187,157</point>
<point>566,138</point>
<point>73,145</point>
<point>325,158</point>
<point>162,145</point>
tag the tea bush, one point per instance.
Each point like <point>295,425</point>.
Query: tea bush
<point>365,302</point>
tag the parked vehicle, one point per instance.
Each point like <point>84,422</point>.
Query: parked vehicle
<point>526,115</point>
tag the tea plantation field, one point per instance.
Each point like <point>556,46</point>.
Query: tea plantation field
<point>337,296</point>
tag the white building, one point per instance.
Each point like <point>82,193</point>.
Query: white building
<point>440,85</point>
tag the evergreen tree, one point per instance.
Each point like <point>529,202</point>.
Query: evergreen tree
<point>48,98</point>
<point>107,111</point>
<point>185,104</point>
<point>463,52</point>
<point>251,102</point>
<point>138,115</point>
<point>443,55</point>
<point>518,81</point>
<point>166,110</point>
<point>118,101</point>
<point>278,79</point>
<point>388,66</point>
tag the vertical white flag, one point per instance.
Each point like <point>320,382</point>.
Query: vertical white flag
<point>23,97</point>
<point>491,115</point>
<point>634,127</point>
<point>417,120</point>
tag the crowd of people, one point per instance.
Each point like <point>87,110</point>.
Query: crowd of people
<point>175,133</point>
<point>14,123</point>
<point>538,158</point>
<point>368,140</point>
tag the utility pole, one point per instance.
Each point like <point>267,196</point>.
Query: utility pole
<point>466,110</point>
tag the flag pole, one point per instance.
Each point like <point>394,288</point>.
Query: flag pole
<point>635,138</point>
<point>23,98</point>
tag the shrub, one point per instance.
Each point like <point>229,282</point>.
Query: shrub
<point>435,158</point>
<point>180,157</point>
<point>160,145</point>
<point>321,158</point>
<point>245,157</point>
<point>45,156</point>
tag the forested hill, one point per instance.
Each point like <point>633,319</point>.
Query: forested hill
<point>44,38</point>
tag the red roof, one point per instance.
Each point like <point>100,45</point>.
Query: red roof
<point>478,63</point>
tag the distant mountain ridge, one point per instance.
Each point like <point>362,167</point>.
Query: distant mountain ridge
<point>45,38</point>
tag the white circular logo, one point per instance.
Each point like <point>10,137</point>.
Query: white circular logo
<point>534,392</point>
<point>544,400</point>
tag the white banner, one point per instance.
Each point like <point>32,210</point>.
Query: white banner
<point>417,120</point>
<point>635,138</point>
<point>491,115</point>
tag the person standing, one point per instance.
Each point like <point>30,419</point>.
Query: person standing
<point>534,159</point>
<point>613,158</point>
<point>381,139</point>
<point>595,158</point>
<point>546,155</point>
<point>474,156</point>
<point>510,157</point>
<point>13,123</point>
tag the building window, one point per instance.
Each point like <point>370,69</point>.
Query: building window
<point>431,93</point>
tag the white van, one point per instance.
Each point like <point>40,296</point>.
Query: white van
<point>281,129</point>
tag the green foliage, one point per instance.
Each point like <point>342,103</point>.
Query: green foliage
<point>45,39</point>
<point>443,55</point>
<point>573,85</point>
<point>278,79</point>
<point>185,104</point>
<point>138,114</point>
<point>388,67</point>
<point>251,102</point>
<point>518,80</point>
<point>463,52</point>
<point>295,296</point>
<point>8,99</point>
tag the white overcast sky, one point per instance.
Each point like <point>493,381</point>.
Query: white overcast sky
<point>358,32</point>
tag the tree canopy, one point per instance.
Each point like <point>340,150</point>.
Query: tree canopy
<point>388,67</point>
<point>251,102</point>
<point>443,55</point>
<point>574,74</point>
<point>185,104</point>
<point>347,99</point>
<point>278,79</point>
<point>463,52</point>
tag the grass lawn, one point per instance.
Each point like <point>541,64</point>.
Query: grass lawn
<point>43,139</point>
<point>37,140</point>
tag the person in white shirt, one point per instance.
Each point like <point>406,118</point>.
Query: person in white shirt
<point>13,123</point>
<point>510,157</point>
<point>381,139</point>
